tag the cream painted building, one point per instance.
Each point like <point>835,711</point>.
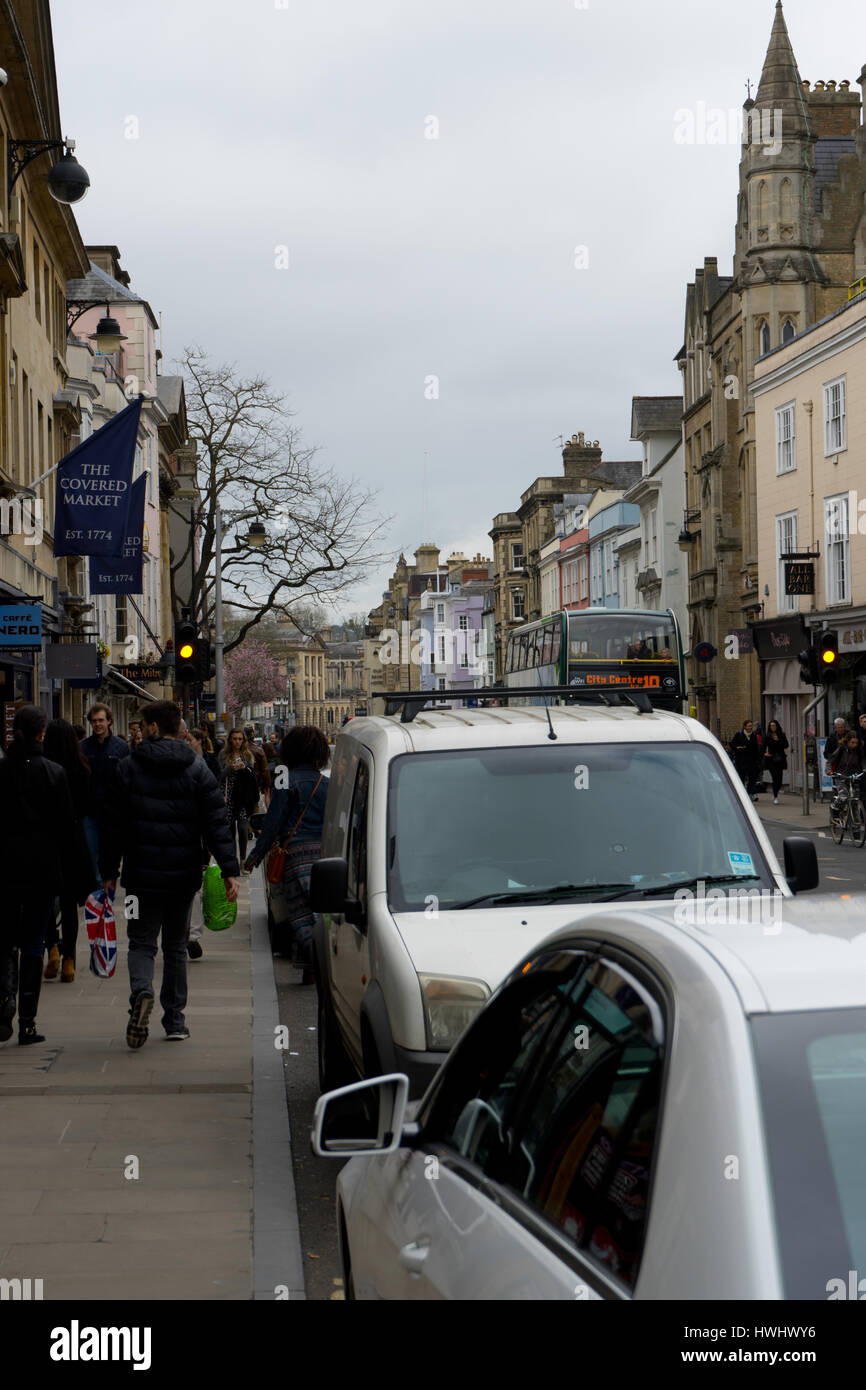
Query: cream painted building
<point>810,433</point>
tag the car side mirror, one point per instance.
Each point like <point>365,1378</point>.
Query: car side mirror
<point>366,1117</point>
<point>329,885</point>
<point>801,863</point>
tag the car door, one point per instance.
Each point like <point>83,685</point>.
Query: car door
<point>542,1154</point>
<point>350,959</point>
<point>422,1215</point>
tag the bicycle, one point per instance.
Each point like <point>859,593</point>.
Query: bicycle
<point>846,809</point>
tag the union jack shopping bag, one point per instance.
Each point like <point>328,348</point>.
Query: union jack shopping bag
<point>99,916</point>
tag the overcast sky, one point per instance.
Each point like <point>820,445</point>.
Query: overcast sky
<point>306,124</point>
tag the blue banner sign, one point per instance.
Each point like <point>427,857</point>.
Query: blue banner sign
<point>123,574</point>
<point>20,625</point>
<point>93,489</point>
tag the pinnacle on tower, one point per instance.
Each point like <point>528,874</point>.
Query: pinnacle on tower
<point>780,87</point>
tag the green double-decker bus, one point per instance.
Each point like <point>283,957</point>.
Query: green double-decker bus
<point>600,651</point>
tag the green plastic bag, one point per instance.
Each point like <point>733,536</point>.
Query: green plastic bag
<point>217,912</point>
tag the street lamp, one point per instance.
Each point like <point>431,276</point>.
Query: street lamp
<point>256,537</point>
<point>67,181</point>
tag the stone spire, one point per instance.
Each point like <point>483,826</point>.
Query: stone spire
<point>780,87</point>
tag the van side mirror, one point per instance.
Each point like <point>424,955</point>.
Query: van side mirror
<point>801,863</point>
<point>329,885</point>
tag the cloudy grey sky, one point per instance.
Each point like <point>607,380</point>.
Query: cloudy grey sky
<point>306,123</point>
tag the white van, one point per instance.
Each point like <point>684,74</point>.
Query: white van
<point>457,839</point>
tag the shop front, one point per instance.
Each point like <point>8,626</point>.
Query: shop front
<point>778,644</point>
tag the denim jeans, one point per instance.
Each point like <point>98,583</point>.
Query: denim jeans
<point>91,835</point>
<point>170,915</point>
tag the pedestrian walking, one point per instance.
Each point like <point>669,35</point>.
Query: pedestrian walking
<point>746,754</point>
<point>196,738</point>
<point>61,746</point>
<point>103,750</point>
<point>241,790</point>
<point>261,767</point>
<point>161,803</point>
<point>775,755</point>
<point>272,749</point>
<point>37,864</point>
<point>294,821</point>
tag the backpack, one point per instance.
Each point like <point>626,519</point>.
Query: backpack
<point>101,932</point>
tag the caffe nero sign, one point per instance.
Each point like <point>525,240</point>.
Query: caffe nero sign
<point>779,641</point>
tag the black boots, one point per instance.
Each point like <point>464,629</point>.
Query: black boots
<point>28,1000</point>
<point>8,993</point>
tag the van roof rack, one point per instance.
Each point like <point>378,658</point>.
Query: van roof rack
<point>411,702</point>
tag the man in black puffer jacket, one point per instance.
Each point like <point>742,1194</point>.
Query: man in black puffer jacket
<point>161,804</point>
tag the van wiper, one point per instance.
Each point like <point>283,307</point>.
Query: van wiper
<point>533,895</point>
<point>672,888</point>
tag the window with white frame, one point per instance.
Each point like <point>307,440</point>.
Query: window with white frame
<point>518,603</point>
<point>440,647</point>
<point>583,571</point>
<point>463,622</point>
<point>786,454</point>
<point>440,612</point>
<point>517,560</point>
<point>786,542</point>
<point>835,430</point>
<point>837,549</point>
<point>653,547</point>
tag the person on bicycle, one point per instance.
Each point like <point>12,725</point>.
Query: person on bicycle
<point>848,758</point>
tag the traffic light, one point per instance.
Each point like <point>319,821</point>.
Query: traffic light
<point>809,666</point>
<point>828,657</point>
<point>206,660</point>
<point>186,652</point>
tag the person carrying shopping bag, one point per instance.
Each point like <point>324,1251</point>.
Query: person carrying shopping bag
<point>294,825</point>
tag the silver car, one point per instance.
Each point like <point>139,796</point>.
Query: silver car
<point>656,1104</point>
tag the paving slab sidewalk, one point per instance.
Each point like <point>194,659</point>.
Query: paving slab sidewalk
<point>163,1173</point>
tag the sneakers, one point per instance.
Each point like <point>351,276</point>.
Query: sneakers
<point>136,1028</point>
<point>194,950</point>
<point>178,1035</point>
<point>52,965</point>
<point>775,801</point>
<point>67,974</point>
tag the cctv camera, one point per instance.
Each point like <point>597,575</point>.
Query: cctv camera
<point>4,77</point>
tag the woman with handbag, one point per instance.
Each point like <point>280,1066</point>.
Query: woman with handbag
<point>775,755</point>
<point>240,788</point>
<point>293,826</point>
<point>61,746</point>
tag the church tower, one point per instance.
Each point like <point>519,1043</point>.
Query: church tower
<point>802,176</point>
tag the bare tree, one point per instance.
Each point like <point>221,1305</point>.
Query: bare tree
<point>253,466</point>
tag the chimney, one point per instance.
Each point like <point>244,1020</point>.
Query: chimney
<point>580,456</point>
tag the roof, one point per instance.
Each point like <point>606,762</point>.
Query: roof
<point>780,87</point>
<point>783,955</point>
<point>98,287</point>
<point>437,730</point>
<point>618,474</point>
<point>656,415</point>
<point>169,391</point>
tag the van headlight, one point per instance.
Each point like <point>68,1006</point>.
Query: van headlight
<point>449,1007</point>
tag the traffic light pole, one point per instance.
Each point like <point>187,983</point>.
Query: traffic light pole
<point>219,699</point>
<point>813,704</point>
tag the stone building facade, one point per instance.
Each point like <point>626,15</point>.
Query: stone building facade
<point>800,241</point>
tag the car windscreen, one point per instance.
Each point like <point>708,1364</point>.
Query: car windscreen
<point>812,1077</point>
<point>565,822</point>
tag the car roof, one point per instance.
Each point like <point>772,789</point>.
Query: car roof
<point>783,955</point>
<point>440,729</point>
